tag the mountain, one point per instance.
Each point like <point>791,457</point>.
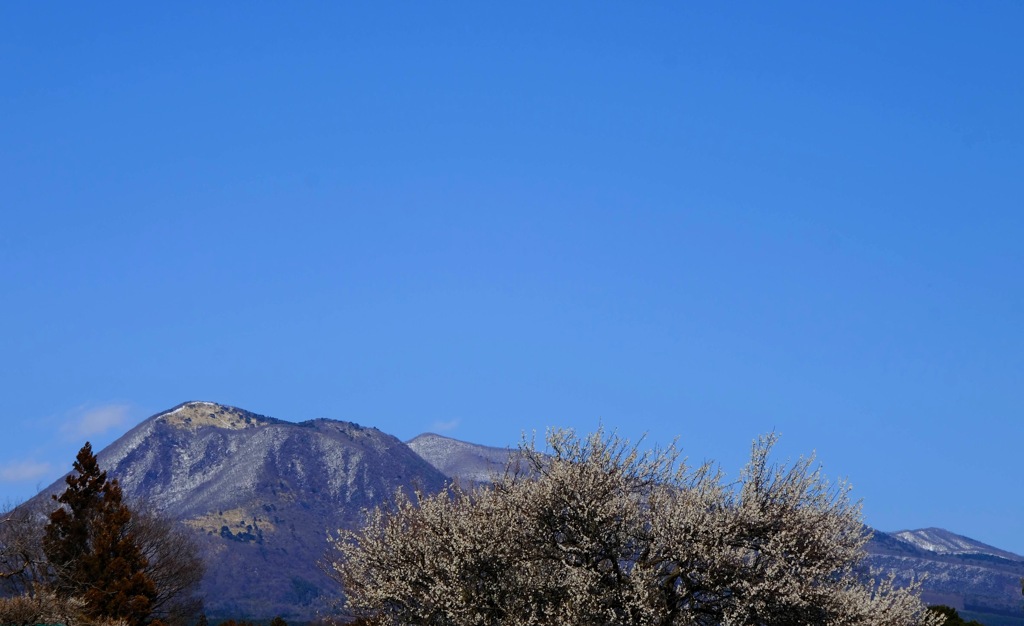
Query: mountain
<point>261,494</point>
<point>959,571</point>
<point>939,541</point>
<point>468,463</point>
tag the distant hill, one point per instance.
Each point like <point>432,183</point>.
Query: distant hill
<point>959,571</point>
<point>468,463</point>
<point>939,541</point>
<point>262,493</point>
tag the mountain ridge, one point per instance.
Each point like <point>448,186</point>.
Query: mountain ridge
<point>942,541</point>
<point>465,462</point>
<point>261,494</point>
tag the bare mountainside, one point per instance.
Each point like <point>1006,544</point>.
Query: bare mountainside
<point>261,495</point>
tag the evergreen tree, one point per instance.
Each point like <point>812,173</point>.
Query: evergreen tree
<point>94,553</point>
<point>952,616</point>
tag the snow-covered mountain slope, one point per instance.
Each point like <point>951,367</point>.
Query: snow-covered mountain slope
<point>953,570</point>
<point>942,541</point>
<point>468,463</point>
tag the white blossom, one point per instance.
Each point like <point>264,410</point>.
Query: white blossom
<point>598,531</point>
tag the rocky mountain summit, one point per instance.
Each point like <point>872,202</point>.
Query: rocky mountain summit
<point>261,495</point>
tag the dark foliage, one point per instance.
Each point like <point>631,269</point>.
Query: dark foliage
<point>174,565</point>
<point>93,550</point>
<point>952,617</point>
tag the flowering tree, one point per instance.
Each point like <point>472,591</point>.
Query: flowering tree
<point>596,531</point>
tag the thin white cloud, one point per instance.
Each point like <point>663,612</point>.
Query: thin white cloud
<point>19,471</point>
<point>97,420</point>
<point>440,427</point>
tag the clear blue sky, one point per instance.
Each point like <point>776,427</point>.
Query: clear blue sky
<point>481,219</point>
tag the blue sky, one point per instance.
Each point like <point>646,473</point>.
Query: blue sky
<point>482,219</point>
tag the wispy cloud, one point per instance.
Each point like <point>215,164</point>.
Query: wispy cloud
<point>96,420</point>
<point>18,471</point>
<point>440,427</point>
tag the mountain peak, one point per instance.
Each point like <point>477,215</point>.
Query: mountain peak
<point>195,414</point>
<point>425,437</point>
